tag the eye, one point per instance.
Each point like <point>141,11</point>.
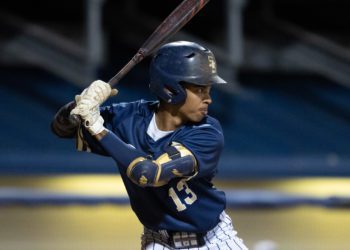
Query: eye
<point>199,91</point>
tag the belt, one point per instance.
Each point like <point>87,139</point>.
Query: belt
<point>179,240</point>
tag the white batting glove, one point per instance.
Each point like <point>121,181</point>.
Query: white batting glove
<point>90,114</point>
<point>97,127</point>
<point>99,91</point>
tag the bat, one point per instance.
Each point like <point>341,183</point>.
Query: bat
<point>171,24</point>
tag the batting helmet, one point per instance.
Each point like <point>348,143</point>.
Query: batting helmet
<point>178,62</point>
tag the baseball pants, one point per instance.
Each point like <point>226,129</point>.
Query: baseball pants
<point>222,237</point>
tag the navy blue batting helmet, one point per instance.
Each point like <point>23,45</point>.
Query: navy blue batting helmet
<point>179,62</point>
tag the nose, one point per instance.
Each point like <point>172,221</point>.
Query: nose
<point>207,99</point>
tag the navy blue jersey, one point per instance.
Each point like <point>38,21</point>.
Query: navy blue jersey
<point>183,204</point>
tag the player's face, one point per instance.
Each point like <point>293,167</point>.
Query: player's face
<point>196,105</point>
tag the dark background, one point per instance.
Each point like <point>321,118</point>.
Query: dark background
<point>280,118</point>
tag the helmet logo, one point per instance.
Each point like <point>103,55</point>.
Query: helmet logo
<point>212,64</point>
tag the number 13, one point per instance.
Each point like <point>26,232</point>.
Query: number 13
<point>192,197</point>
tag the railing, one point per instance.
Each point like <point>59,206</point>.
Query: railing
<point>33,44</point>
<point>304,51</point>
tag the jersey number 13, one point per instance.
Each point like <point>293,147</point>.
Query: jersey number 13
<point>190,198</point>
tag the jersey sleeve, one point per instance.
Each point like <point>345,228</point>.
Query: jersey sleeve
<point>206,143</point>
<point>111,115</point>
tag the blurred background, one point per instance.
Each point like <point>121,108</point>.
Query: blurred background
<point>285,115</point>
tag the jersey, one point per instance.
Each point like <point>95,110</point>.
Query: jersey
<point>190,204</point>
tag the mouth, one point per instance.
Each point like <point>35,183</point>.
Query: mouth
<point>204,111</point>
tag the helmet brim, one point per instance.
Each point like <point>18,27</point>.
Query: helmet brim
<point>217,80</point>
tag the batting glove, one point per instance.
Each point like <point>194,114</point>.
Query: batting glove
<point>98,91</point>
<point>90,115</point>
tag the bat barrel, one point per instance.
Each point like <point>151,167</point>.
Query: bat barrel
<point>174,22</point>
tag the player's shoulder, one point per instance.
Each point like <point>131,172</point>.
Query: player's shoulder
<point>145,107</point>
<point>139,107</point>
<point>207,129</point>
<point>208,123</point>
<point>204,139</point>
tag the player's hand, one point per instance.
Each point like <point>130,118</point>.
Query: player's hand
<point>90,114</point>
<point>98,91</point>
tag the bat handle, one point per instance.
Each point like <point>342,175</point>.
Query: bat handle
<point>135,60</point>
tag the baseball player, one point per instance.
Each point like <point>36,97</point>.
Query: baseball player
<point>167,151</point>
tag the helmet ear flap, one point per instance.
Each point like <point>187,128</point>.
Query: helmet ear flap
<point>168,94</point>
<point>172,95</point>
<point>176,96</point>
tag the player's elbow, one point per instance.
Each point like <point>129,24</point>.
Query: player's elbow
<point>144,172</point>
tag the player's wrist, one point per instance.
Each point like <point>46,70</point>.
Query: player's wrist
<point>96,127</point>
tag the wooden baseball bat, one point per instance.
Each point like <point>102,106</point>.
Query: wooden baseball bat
<point>174,22</point>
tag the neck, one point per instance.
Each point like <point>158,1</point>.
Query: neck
<point>167,117</point>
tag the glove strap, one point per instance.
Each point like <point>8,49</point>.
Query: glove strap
<point>97,127</point>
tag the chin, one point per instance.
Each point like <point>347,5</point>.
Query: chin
<point>196,119</point>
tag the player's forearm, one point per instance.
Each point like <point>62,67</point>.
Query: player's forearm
<point>142,169</point>
<point>121,152</point>
<point>101,135</point>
